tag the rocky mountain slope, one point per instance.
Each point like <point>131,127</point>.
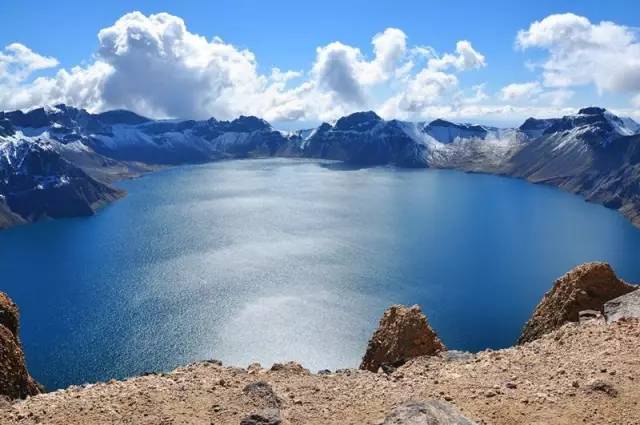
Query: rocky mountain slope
<point>15,381</point>
<point>580,374</point>
<point>593,153</point>
<point>587,287</point>
<point>584,371</point>
<point>36,181</point>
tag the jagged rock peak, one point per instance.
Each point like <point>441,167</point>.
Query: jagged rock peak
<point>448,132</point>
<point>532,124</point>
<point>121,116</point>
<point>587,287</point>
<point>248,124</point>
<point>444,123</point>
<point>592,110</point>
<point>358,121</point>
<point>403,333</point>
<point>15,381</point>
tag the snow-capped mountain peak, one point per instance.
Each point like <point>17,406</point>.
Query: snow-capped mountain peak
<point>358,121</point>
<point>448,132</point>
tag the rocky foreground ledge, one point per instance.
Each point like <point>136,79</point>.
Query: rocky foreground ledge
<point>585,370</point>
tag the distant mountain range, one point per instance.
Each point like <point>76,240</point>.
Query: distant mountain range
<point>60,161</point>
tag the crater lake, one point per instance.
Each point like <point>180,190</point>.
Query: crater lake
<point>275,260</point>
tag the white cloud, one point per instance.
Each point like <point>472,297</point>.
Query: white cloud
<point>389,48</point>
<point>344,71</point>
<point>432,84</point>
<point>520,91</point>
<point>426,88</point>
<point>479,94</point>
<point>534,92</point>
<point>337,69</point>
<point>581,53</point>
<point>557,97</point>
<point>466,58</point>
<point>155,66</point>
<point>161,68</point>
<point>18,62</point>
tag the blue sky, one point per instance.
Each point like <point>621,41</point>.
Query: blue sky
<point>286,35</point>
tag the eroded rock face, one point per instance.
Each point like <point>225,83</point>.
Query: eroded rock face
<point>15,381</point>
<point>8,314</point>
<point>432,412</point>
<point>403,333</point>
<point>624,307</point>
<point>587,287</point>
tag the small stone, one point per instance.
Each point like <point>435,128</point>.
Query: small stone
<point>263,417</point>
<point>603,387</point>
<point>433,412</point>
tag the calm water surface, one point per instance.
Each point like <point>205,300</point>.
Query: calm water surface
<point>272,260</point>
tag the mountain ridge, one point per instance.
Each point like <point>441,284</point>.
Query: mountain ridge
<point>593,153</point>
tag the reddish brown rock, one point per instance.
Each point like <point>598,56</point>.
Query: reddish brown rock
<point>403,333</point>
<point>8,314</point>
<point>587,287</point>
<point>15,381</point>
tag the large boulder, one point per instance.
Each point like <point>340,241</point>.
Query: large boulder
<point>403,333</point>
<point>625,307</point>
<point>432,412</point>
<point>15,381</point>
<point>587,287</point>
<point>265,404</point>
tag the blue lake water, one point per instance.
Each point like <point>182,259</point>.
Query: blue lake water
<point>273,260</point>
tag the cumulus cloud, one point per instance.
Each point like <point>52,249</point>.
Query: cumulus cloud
<point>581,53</point>
<point>345,72</point>
<point>425,89</point>
<point>155,66</point>
<point>18,62</point>
<point>520,91</point>
<point>435,82</point>
<point>337,69</point>
<point>162,68</point>
<point>534,92</point>
<point>466,57</point>
<point>389,48</point>
<point>479,94</point>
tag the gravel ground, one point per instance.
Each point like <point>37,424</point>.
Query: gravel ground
<point>587,373</point>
